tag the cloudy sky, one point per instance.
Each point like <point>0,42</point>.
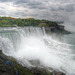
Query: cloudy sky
<point>42,9</point>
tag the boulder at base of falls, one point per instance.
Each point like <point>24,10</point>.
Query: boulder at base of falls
<point>9,66</point>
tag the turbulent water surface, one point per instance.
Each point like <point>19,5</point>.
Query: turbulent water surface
<point>32,47</point>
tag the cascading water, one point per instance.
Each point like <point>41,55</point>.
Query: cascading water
<point>32,47</point>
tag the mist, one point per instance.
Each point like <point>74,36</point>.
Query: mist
<point>32,47</point>
<point>70,23</point>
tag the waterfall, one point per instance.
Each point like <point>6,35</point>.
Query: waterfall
<point>32,47</point>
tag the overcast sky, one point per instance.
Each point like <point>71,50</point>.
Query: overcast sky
<point>41,9</point>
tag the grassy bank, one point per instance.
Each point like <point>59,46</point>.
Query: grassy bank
<point>9,21</point>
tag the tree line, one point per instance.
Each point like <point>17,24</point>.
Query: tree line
<point>10,22</point>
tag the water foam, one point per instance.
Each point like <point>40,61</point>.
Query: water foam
<point>32,47</point>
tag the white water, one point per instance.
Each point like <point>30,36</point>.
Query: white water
<point>32,47</point>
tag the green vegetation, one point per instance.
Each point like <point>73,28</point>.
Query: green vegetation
<point>10,22</point>
<point>50,26</point>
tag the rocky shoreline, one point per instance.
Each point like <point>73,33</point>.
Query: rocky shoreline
<point>9,66</point>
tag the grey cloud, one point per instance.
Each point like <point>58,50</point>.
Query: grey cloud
<point>67,8</point>
<point>2,7</point>
<point>6,0</point>
<point>20,2</point>
<point>2,13</point>
<point>55,9</point>
<point>32,4</point>
<point>26,13</point>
